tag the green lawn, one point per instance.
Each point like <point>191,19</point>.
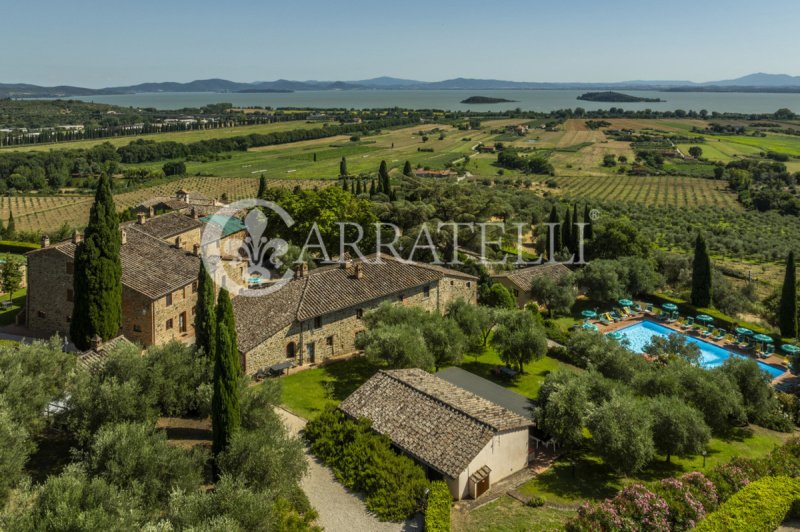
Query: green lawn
<point>592,480</point>
<point>308,392</point>
<point>8,315</point>
<point>507,514</point>
<point>527,384</point>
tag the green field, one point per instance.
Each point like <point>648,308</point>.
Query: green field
<point>177,136</point>
<point>296,161</point>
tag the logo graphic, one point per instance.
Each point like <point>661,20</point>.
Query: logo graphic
<point>238,253</point>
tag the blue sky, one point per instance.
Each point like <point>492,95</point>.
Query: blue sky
<point>97,43</point>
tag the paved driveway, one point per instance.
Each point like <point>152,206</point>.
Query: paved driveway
<point>339,509</point>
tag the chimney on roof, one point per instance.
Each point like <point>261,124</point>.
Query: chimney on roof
<point>45,241</point>
<point>179,242</point>
<point>196,250</point>
<point>96,342</point>
<point>77,237</point>
<point>300,270</point>
<point>140,218</point>
<point>358,271</point>
<point>195,214</point>
<point>346,262</point>
<point>151,211</point>
<point>123,235</point>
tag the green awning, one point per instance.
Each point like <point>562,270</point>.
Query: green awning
<point>790,349</point>
<point>743,331</point>
<point>704,317</point>
<point>763,338</point>
<point>625,302</point>
<point>671,307</point>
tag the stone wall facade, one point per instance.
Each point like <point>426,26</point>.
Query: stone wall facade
<point>48,309</point>
<point>520,296</point>
<point>317,340</point>
<point>144,320</point>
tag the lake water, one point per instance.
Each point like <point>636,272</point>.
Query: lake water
<point>529,100</point>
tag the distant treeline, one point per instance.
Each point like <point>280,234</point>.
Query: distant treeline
<point>53,169</point>
<point>141,151</point>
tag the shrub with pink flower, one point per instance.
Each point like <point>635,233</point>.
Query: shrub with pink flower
<point>641,509</point>
<point>599,517</point>
<point>702,489</point>
<point>684,508</point>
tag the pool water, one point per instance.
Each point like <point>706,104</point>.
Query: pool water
<point>711,355</point>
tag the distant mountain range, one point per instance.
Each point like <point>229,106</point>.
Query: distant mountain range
<point>759,82</point>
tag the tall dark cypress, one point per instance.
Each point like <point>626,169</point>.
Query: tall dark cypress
<point>383,176</point>
<point>97,309</point>
<point>225,409</point>
<point>262,187</point>
<point>701,274</point>
<point>205,321</point>
<point>372,187</point>
<point>407,170</point>
<point>588,231</point>
<point>566,231</point>
<point>787,317</point>
<point>556,232</point>
<point>344,185</point>
<point>343,167</point>
<point>359,189</point>
<point>11,228</point>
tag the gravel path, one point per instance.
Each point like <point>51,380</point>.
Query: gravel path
<point>339,509</point>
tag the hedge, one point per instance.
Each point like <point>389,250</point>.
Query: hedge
<point>437,513</point>
<point>761,505</point>
<point>362,460</point>
<point>13,246</point>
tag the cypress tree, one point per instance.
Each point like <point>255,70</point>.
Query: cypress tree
<point>262,187</point>
<point>566,231</point>
<point>225,411</point>
<point>353,187</point>
<point>588,231</point>
<point>11,228</point>
<point>787,316</point>
<point>344,185</point>
<point>359,190</point>
<point>97,308</point>
<point>407,170</point>
<point>556,244</point>
<point>383,175</point>
<point>343,167</point>
<point>372,187</point>
<point>205,321</point>
<point>701,274</point>
<point>315,156</point>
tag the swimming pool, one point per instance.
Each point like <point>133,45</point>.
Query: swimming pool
<point>711,355</point>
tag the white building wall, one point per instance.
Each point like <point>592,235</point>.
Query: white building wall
<point>505,454</point>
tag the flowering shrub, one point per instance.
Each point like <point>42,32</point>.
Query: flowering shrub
<point>684,508</point>
<point>733,476</point>
<point>702,489</point>
<point>637,505</point>
<point>594,517</point>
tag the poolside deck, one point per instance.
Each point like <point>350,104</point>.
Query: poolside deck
<point>776,360</point>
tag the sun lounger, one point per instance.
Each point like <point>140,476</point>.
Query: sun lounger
<point>648,308</point>
<point>616,315</point>
<point>707,332</point>
<point>719,336</point>
<point>687,324</point>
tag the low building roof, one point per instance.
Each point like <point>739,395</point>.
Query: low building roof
<point>328,289</point>
<point>166,225</point>
<point>517,403</point>
<point>93,359</point>
<point>439,423</point>
<point>150,266</point>
<point>524,277</point>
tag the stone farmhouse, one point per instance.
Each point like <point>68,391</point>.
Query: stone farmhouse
<point>520,282</point>
<point>160,264</point>
<point>184,202</point>
<point>317,315</point>
<point>466,440</point>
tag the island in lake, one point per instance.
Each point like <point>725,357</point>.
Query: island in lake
<point>610,96</point>
<point>485,99</point>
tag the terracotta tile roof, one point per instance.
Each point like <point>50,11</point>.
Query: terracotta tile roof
<point>435,421</point>
<point>150,266</point>
<point>523,278</point>
<point>166,225</point>
<point>93,359</point>
<point>325,290</point>
<point>163,201</point>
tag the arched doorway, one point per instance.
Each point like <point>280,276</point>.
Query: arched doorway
<point>291,350</point>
